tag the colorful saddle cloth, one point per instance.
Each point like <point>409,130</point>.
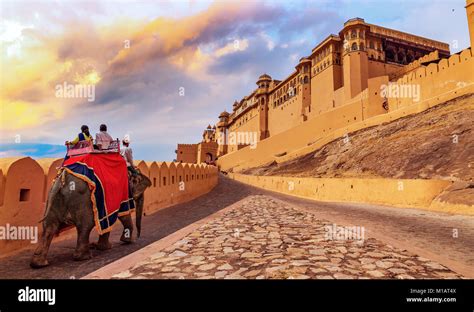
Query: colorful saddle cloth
<point>107,177</point>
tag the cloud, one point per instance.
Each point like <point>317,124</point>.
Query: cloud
<point>161,72</point>
<point>154,79</point>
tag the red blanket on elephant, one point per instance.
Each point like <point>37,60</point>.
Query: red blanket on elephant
<point>107,177</point>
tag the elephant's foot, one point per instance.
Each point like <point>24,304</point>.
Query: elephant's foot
<point>80,255</point>
<point>126,237</point>
<point>101,245</point>
<point>38,262</point>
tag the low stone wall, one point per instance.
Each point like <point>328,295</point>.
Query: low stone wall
<point>415,193</point>
<point>25,183</point>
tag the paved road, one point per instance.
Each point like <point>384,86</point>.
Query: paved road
<point>427,234</point>
<point>265,238</point>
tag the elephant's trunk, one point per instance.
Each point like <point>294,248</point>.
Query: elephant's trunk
<point>53,192</point>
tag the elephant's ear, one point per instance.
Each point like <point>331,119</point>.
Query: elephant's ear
<point>146,180</point>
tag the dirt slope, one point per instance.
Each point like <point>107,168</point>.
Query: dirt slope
<point>435,144</point>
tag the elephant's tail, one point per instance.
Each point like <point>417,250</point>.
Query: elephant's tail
<point>139,213</point>
<point>55,188</point>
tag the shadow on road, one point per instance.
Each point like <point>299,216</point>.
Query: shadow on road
<point>154,227</point>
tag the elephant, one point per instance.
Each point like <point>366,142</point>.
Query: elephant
<point>66,207</point>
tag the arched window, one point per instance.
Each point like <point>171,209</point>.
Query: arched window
<point>353,34</point>
<point>390,54</point>
<point>401,57</point>
<point>361,47</point>
<point>306,80</point>
<point>354,47</point>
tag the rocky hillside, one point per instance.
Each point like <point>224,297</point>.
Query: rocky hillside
<point>435,144</point>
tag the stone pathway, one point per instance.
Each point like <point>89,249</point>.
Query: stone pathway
<point>264,238</point>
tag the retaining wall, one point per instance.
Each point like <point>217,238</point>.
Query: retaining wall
<point>415,193</point>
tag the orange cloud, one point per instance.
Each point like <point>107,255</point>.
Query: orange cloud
<point>90,54</point>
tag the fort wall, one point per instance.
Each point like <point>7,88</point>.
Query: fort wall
<point>438,83</point>
<point>285,116</point>
<point>187,153</point>
<point>25,183</point>
<point>445,79</point>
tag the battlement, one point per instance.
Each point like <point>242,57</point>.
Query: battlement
<point>459,64</point>
<point>431,57</point>
<point>187,145</point>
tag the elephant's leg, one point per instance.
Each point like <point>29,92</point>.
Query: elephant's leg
<point>103,242</point>
<point>82,251</point>
<point>127,228</point>
<point>39,259</point>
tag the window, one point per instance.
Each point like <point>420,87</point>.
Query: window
<point>354,47</point>
<point>164,181</point>
<point>24,195</point>
<point>154,182</point>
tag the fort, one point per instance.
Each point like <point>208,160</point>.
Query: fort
<point>363,76</point>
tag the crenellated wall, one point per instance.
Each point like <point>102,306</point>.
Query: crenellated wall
<point>437,82</point>
<point>25,183</point>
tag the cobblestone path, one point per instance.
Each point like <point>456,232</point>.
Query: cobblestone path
<point>265,238</point>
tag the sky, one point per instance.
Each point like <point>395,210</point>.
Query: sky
<point>161,71</point>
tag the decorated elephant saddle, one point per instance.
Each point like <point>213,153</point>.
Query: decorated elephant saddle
<point>107,177</point>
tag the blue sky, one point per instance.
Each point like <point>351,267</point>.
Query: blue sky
<point>173,45</point>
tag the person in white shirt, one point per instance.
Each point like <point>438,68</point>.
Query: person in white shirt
<point>103,139</point>
<point>127,154</point>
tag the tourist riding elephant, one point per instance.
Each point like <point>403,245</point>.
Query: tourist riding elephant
<point>74,207</point>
